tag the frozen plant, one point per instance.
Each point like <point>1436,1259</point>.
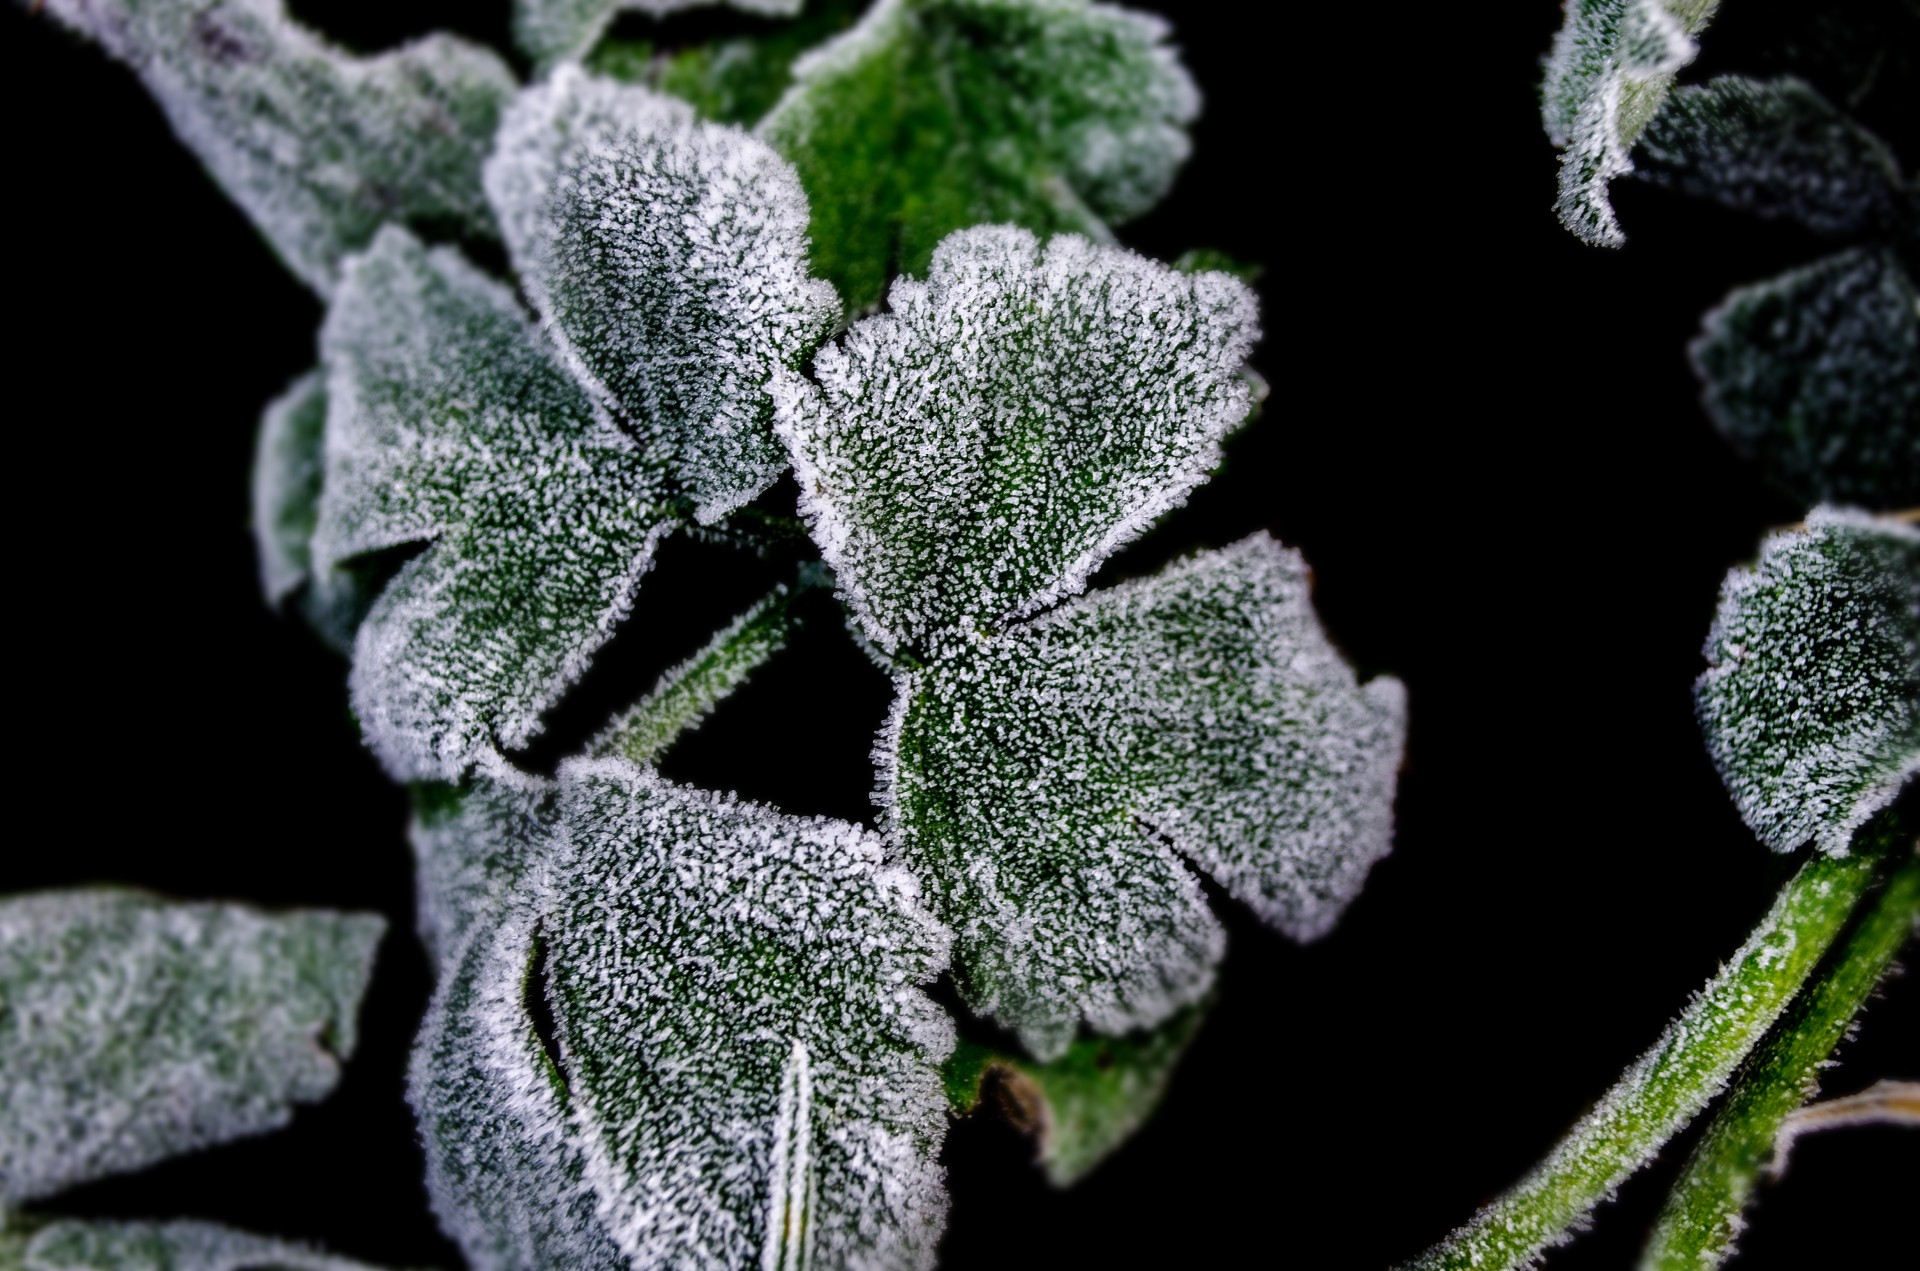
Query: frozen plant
<point>672,1025</point>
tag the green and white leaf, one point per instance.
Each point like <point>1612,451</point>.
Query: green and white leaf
<point>450,424</point>
<point>1611,66</point>
<point>746,1069</point>
<point>472,843</point>
<point>734,80</point>
<point>934,115</point>
<point>70,1245</point>
<point>1778,149</point>
<point>1055,784</point>
<point>1811,700</point>
<point>319,147</point>
<point>135,1029</point>
<point>550,31</point>
<point>972,456</point>
<point>1816,374</point>
<point>668,258</point>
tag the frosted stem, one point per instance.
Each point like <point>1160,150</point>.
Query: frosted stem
<point>1667,1086</point>
<point>1702,1215</point>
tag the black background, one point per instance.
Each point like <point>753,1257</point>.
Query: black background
<point>1483,435</point>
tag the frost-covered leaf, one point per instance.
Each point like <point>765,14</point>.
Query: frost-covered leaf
<point>974,454</point>
<point>69,1245</point>
<point>743,1067</point>
<point>1816,374</point>
<point>472,843</point>
<point>1055,784</point>
<point>451,424</point>
<point>1612,64</point>
<point>135,1029</point>
<point>735,80</point>
<point>552,30</point>
<point>1775,148</point>
<point>669,258</point>
<point>933,115</point>
<point>1082,1106</point>
<point>1811,700</point>
<point>320,148</point>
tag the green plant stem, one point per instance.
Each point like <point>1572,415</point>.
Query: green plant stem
<point>1702,1215</point>
<point>1668,1085</point>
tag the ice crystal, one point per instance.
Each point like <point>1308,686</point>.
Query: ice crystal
<point>135,1029</point>
<point>932,115</point>
<point>1816,373</point>
<point>471,844</point>
<point>974,454</point>
<point>669,259</point>
<point>1775,148</point>
<point>1054,783</point>
<point>1811,702</point>
<point>1611,66</point>
<point>552,30</point>
<point>745,1069</point>
<point>320,148</point>
<point>68,1245</point>
<point>451,424</point>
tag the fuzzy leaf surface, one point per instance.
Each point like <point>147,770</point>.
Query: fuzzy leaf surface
<point>747,1069</point>
<point>451,424</point>
<point>550,31</point>
<point>1610,69</point>
<point>1055,783</point>
<point>1816,374</point>
<point>472,843</point>
<point>933,115</point>
<point>1811,700</point>
<point>973,455</point>
<point>69,1245</point>
<point>669,259</point>
<point>1778,149</point>
<point>319,147</point>
<point>136,1029</point>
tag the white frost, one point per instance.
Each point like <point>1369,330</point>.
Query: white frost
<point>553,30</point>
<point>69,1245</point>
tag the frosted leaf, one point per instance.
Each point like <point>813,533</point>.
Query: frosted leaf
<point>735,80</point>
<point>319,147</point>
<point>739,1035</point>
<point>136,1029</point>
<point>1611,66</point>
<point>1778,149</point>
<point>553,30</point>
<point>471,845</point>
<point>1082,1106</point>
<point>68,1245</point>
<point>933,115</point>
<point>974,454</point>
<point>450,424</point>
<point>669,259</point>
<point>1811,700</point>
<point>1055,784</point>
<point>1816,374</point>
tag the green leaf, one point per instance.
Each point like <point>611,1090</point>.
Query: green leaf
<point>68,1245</point>
<point>1816,374</point>
<point>1608,74</point>
<point>1811,700</point>
<point>1081,1107</point>
<point>1055,784</point>
<point>450,424</point>
<point>136,1029</point>
<point>668,258</point>
<point>472,843</point>
<point>742,1067</point>
<point>550,31</point>
<point>933,115</point>
<point>973,455</point>
<point>1778,149</point>
<point>738,80</point>
<point>1701,1219</point>
<point>320,148</point>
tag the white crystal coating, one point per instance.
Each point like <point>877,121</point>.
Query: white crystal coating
<point>1053,785</point>
<point>1811,701</point>
<point>135,1029</point>
<point>450,423</point>
<point>471,844</point>
<point>668,257</point>
<point>319,147</point>
<point>552,30</point>
<point>71,1245</point>
<point>973,455</point>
